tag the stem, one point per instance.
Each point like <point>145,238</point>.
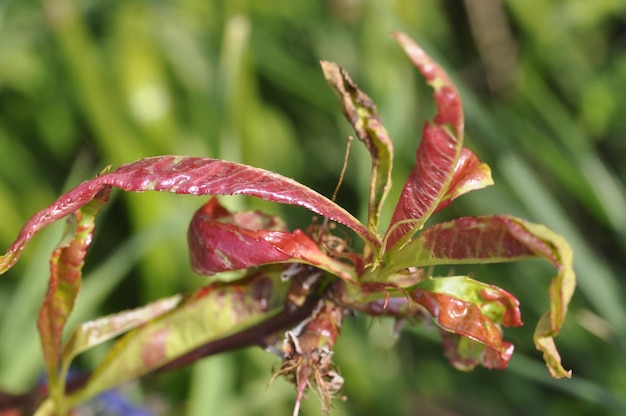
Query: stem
<point>341,176</point>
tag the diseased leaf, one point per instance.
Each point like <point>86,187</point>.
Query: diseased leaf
<point>472,240</point>
<point>66,266</point>
<point>187,175</point>
<point>469,175</point>
<point>212,313</point>
<point>437,154</point>
<point>449,110</point>
<point>465,353</point>
<point>92,333</point>
<point>361,113</point>
<point>561,292</point>
<point>219,241</point>
<point>256,249</point>
<point>495,303</point>
<point>467,320</point>
<point>490,239</point>
<point>544,341</point>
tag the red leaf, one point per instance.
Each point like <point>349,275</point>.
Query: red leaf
<point>465,319</point>
<point>469,175</point>
<point>220,241</point>
<point>465,354</point>
<point>437,154</point>
<point>66,266</point>
<point>206,316</point>
<point>495,303</point>
<point>491,239</point>
<point>187,175</point>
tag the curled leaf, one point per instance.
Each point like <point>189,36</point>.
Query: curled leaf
<point>219,241</point>
<point>361,113</point>
<point>465,319</point>
<point>495,303</point>
<point>437,154</point>
<point>465,353</point>
<point>494,238</point>
<point>210,314</point>
<point>449,110</point>
<point>186,175</point>
<point>65,281</point>
<point>469,175</point>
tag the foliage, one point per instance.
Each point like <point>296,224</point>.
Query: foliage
<point>322,278</point>
<point>551,137</point>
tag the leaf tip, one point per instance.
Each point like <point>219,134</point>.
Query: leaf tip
<point>544,342</point>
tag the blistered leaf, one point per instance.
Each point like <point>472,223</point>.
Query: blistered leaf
<point>66,266</point>
<point>212,313</point>
<point>187,175</point>
<point>490,239</point>
<point>462,318</point>
<point>437,154</point>
<point>361,113</point>
<point>93,333</point>
<point>220,241</point>
<point>465,353</point>
<point>473,240</point>
<point>495,303</point>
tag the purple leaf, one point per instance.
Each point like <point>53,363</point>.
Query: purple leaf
<point>437,154</point>
<point>469,339</point>
<point>495,303</point>
<point>66,266</point>
<point>187,175</point>
<point>491,239</point>
<point>220,241</point>
<point>469,175</point>
<point>484,239</point>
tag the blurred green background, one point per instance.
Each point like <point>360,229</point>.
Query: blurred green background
<point>92,83</point>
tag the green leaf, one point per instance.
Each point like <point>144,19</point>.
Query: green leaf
<point>212,313</point>
<point>561,291</point>
<point>92,333</point>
